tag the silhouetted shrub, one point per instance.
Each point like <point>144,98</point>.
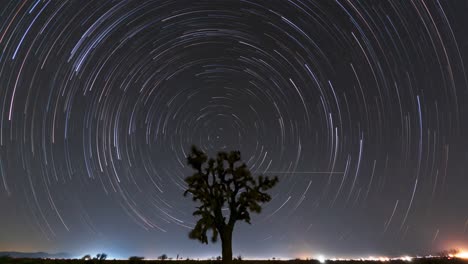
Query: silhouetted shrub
<point>135,259</point>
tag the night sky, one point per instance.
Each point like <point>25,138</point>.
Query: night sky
<point>360,108</point>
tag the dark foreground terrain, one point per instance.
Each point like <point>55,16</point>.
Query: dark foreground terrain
<point>79,261</point>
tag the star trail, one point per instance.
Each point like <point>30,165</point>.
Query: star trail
<point>360,108</point>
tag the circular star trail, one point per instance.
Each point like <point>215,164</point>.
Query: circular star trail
<point>358,106</point>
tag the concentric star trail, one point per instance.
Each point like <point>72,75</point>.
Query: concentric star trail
<point>359,106</point>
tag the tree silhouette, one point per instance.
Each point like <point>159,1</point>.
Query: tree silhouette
<point>101,257</point>
<point>163,257</point>
<point>219,183</point>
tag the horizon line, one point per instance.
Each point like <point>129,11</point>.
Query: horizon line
<point>306,172</point>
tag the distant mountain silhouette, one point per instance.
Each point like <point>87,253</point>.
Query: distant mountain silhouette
<point>15,254</point>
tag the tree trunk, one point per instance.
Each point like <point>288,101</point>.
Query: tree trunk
<point>226,244</point>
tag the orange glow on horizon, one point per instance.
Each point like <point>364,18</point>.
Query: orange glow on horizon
<point>462,255</point>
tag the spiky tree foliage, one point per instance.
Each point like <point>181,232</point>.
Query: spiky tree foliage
<point>219,183</point>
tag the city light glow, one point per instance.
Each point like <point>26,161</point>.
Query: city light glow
<point>462,255</point>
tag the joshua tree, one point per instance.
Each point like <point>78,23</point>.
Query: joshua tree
<point>219,183</point>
